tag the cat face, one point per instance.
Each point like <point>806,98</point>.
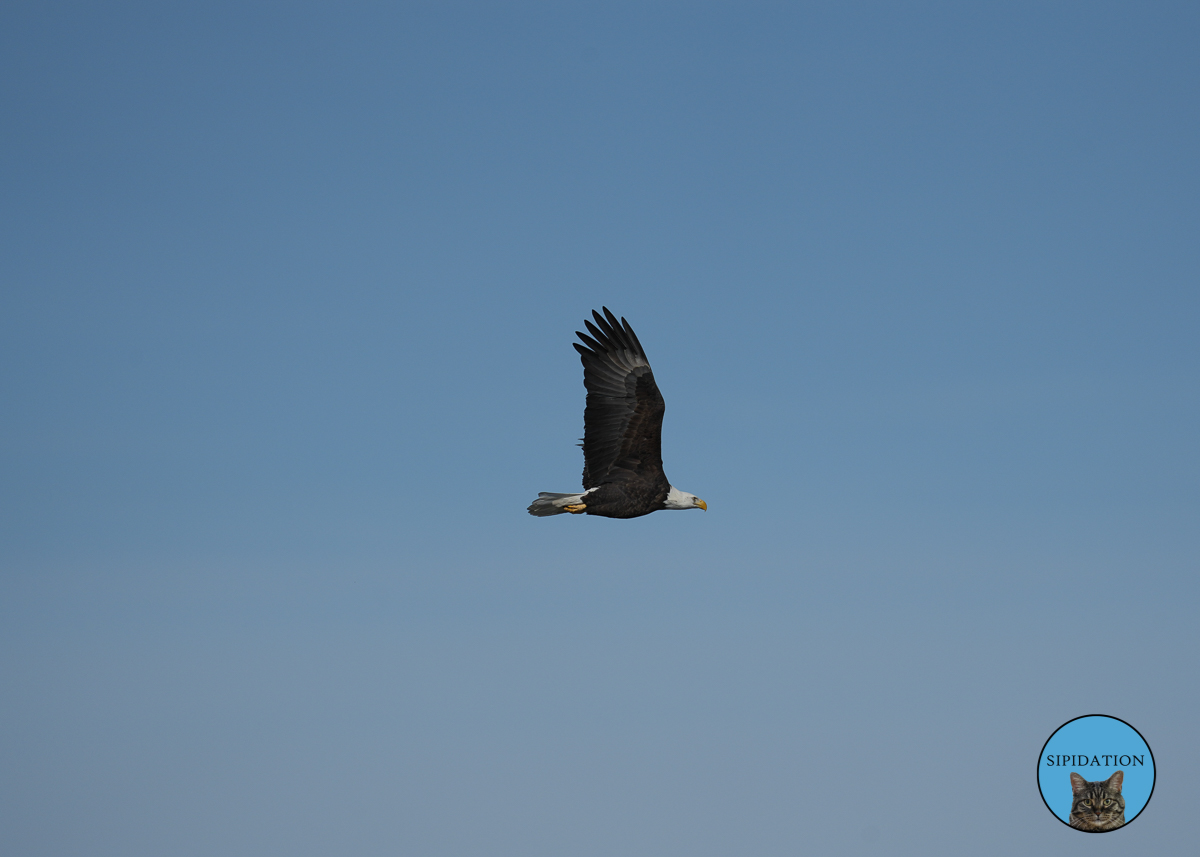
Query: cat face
<point>1099,805</point>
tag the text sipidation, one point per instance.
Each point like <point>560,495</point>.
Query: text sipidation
<point>1085,761</point>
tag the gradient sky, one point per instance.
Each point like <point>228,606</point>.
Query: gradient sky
<point>287,293</point>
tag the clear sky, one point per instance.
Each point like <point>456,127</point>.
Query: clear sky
<point>287,294</point>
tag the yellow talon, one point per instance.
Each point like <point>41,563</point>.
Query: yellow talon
<point>576,509</point>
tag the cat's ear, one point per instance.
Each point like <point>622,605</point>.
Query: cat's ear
<point>1077,783</point>
<point>1114,782</point>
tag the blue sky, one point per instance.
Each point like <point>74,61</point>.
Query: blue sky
<point>288,296</point>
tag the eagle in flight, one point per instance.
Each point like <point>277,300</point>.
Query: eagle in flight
<point>622,431</point>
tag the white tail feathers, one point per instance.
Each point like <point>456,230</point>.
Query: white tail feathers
<point>552,504</point>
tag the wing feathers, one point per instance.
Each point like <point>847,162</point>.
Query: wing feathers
<point>623,418</point>
<point>591,343</point>
<point>637,345</point>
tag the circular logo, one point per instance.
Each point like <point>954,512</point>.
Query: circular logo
<point>1096,773</point>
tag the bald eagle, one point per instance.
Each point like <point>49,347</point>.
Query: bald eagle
<point>622,431</point>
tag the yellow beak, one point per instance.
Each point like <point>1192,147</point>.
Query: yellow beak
<point>701,504</point>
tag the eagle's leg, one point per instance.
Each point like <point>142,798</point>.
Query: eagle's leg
<point>576,509</point>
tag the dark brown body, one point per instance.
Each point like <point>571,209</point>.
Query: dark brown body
<point>627,499</point>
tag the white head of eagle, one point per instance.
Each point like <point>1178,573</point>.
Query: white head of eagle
<point>622,431</point>
<point>677,499</point>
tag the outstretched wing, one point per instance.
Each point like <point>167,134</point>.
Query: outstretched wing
<point>622,423</point>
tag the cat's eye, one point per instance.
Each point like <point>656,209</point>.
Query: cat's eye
<point>1087,803</point>
<point>1108,803</point>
